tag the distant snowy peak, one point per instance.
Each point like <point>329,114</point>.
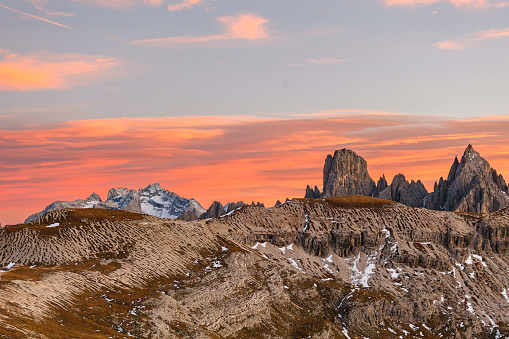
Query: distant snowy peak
<point>153,200</point>
<point>156,201</point>
<point>92,201</point>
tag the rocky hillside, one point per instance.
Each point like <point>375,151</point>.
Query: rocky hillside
<point>152,200</point>
<point>344,267</point>
<point>472,185</point>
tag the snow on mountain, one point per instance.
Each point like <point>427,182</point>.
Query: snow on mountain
<point>156,201</point>
<point>92,201</point>
<point>153,200</point>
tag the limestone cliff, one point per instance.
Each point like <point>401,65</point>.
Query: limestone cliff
<point>471,186</point>
<point>346,173</point>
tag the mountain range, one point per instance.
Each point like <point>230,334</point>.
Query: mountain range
<point>151,200</point>
<point>471,186</point>
<point>340,264</point>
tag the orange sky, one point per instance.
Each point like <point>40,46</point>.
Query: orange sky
<point>228,158</point>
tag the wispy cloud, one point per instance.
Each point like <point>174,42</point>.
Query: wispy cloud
<point>184,5</point>
<point>471,39</point>
<point>324,61</point>
<point>61,14</point>
<point>34,16</point>
<point>36,71</point>
<point>247,27</point>
<point>470,4</point>
<point>120,4</point>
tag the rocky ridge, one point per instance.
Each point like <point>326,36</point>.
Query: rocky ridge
<point>152,200</point>
<point>341,267</point>
<point>472,185</point>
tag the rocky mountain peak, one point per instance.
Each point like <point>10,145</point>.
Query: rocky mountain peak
<point>153,200</point>
<point>346,173</point>
<point>116,192</point>
<point>94,197</point>
<point>471,186</point>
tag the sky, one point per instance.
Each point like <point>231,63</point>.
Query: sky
<point>242,100</point>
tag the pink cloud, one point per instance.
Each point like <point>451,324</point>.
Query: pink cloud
<point>242,27</point>
<point>228,158</point>
<point>36,71</point>
<point>470,39</point>
<point>61,14</point>
<point>470,4</point>
<point>184,5</point>
<point>120,4</point>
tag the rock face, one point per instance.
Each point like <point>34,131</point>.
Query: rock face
<point>412,193</point>
<point>346,173</point>
<point>342,267</point>
<point>232,206</point>
<point>215,210</point>
<point>312,193</point>
<point>152,200</point>
<point>471,186</point>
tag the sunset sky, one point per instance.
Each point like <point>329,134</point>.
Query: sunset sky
<point>242,100</point>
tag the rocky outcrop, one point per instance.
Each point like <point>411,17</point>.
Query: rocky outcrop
<point>380,186</point>
<point>215,210</point>
<point>471,186</point>
<point>188,216</point>
<point>257,204</point>
<point>232,206</point>
<point>346,173</point>
<point>412,193</point>
<point>152,200</point>
<point>312,193</point>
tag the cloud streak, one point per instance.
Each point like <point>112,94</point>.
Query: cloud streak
<point>243,27</point>
<point>119,4</point>
<point>37,71</point>
<point>228,158</point>
<point>34,16</point>
<point>469,40</point>
<point>184,5</point>
<point>325,61</point>
<point>469,4</point>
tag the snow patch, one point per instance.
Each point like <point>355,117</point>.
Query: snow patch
<point>294,263</point>
<point>307,224</point>
<point>478,257</point>
<point>11,265</point>
<point>362,277</point>
<point>54,225</point>
<point>504,293</point>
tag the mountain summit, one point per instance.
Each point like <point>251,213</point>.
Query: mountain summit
<point>152,200</point>
<point>471,186</point>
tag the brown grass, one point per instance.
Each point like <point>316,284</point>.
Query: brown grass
<point>77,217</point>
<point>350,201</point>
